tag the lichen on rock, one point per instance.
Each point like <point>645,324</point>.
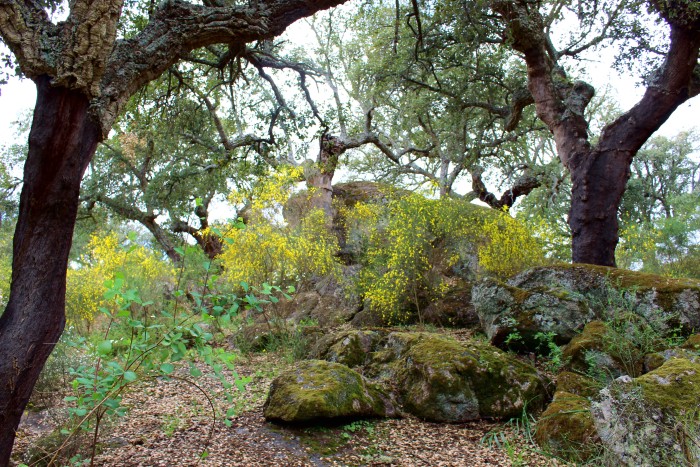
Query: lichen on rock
<point>653,419</point>
<point>440,379</point>
<point>506,311</point>
<point>317,390</point>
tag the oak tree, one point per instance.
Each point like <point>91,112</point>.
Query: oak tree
<point>600,167</point>
<point>86,67</point>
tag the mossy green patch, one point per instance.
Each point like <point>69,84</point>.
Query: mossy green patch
<point>692,343</point>
<point>578,384</point>
<point>566,428</point>
<point>602,351</point>
<point>321,390</point>
<point>674,386</point>
<point>653,419</point>
<point>351,348</point>
<point>441,379</point>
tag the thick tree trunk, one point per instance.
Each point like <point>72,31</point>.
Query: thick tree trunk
<point>62,141</point>
<point>599,181</point>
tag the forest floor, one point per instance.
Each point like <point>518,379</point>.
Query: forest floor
<point>170,423</point>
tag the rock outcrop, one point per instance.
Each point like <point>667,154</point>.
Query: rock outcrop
<point>654,419</point>
<point>562,299</point>
<point>438,378</point>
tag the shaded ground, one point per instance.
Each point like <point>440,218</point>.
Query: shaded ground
<point>170,423</point>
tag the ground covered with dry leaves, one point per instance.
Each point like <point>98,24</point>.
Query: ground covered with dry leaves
<point>171,423</point>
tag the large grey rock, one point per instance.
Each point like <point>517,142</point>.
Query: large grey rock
<point>512,317</point>
<point>316,390</point>
<point>351,348</point>
<point>663,301</point>
<point>443,380</point>
<point>561,299</point>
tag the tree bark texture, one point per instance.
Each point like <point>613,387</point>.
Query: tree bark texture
<point>62,140</point>
<point>84,77</point>
<point>599,173</point>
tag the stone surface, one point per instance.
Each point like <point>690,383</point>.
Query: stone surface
<point>351,348</point>
<point>692,343</point>
<point>657,359</point>
<point>317,390</point>
<point>442,380</point>
<point>562,299</point>
<point>654,419</point>
<point>438,378</point>
<point>328,301</point>
<point>453,309</point>
<point>566,428</point>
<point>678,300</point>
<point>603,352</point>
<point>578,384</point>
<point>511,317</point>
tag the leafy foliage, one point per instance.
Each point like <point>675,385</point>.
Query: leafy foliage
<point>267,251</point>
<point>410,246</point>
<point>107,259</point>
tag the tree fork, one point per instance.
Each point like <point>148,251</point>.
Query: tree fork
<point>62,140</point>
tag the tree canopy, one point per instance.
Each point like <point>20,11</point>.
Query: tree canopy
<point>169,106</point>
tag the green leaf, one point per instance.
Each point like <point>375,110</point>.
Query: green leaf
<point>130,376</point>
<point>167,368</point>
<point>195,372</point>
<point>104,347</point>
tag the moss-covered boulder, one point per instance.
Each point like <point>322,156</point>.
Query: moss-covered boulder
<point>653,419</point>
<point>440,379</point>
<point>566,428</point>
<point>654,360</point>
<point>662,301</point>
<point>351,348</point>
<point>317,390</point>
<point>561,299</point>
<point>603,352</point>
<point>512,317</point>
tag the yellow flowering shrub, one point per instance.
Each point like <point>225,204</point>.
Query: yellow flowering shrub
<point>638,243</point>
<point>265,252</point>
<point>408,245</point>
<point>271,192</point>
<point>142,269</point>
<point>508,246</point>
